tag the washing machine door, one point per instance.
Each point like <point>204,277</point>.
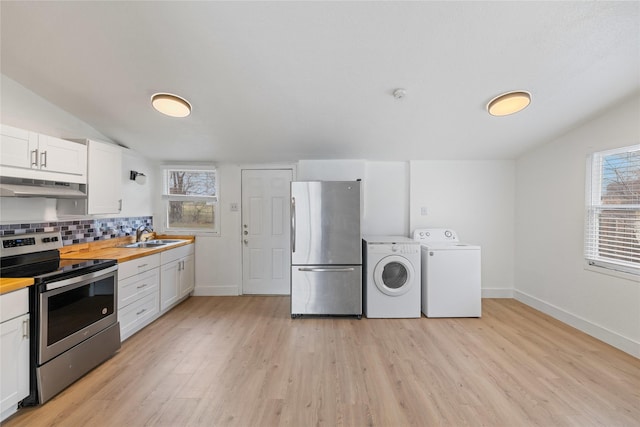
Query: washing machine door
<point>394,275</point>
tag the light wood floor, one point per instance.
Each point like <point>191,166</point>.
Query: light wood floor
<point>242,361</point>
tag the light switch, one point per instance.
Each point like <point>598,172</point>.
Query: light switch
<point>423,211</point>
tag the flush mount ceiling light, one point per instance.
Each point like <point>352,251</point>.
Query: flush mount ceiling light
<point>171,105</point>
<point>509,103</point>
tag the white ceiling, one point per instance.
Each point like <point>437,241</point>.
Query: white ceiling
<point>282,81</point>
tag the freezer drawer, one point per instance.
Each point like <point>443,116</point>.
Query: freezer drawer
<point>326,290</point>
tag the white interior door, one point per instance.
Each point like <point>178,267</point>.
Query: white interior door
<point>266,231</point>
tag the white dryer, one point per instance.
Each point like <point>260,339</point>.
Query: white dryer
<point>451,282</point>
<point>391,287</point>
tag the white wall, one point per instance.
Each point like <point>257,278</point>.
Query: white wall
<point>550,212</point>
<point>219,258</point>
<point>19,107</point>
<point>475,199</point>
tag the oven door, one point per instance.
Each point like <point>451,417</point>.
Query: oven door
<point>74,309</point>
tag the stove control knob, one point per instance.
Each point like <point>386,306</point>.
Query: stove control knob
<point>46,240</point>
<point>54,239</point>
<point>448,233</point>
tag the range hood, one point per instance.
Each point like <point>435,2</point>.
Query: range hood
<point>19,187</point>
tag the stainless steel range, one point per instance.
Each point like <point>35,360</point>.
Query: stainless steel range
<point>73,307</point>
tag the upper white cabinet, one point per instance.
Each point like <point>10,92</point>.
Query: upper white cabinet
<point>18,147</point>
<point>105,178</point>
<point>26,154</point>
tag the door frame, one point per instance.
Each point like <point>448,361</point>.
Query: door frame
<point>293,167</point>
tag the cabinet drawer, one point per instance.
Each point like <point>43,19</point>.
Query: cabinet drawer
<point>138,314</point>
<point>137,266</point>
<point>14,304</point>
<point>138,286</point>
<point>177,253</point>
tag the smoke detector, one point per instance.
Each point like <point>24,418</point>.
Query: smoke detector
<point>399,93</point>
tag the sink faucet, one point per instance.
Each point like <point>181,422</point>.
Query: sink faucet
<point>143,228</point>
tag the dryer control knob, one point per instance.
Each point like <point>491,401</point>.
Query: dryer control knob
<point>394,248</point>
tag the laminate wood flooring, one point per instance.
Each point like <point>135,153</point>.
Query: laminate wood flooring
<point>242,361</point>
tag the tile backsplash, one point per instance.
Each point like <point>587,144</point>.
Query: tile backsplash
<point>82,231</point>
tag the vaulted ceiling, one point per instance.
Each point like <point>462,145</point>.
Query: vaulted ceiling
<point>282,81</point>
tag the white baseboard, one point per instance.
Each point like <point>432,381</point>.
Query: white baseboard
<point>612,338</point>
<point>214,291</point>
<point>497,293</point>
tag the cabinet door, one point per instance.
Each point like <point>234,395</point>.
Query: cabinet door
<point>187,275</point>
<point>18,147</point>
<point>104,181</point>
<point>169,279</point>
<point>14,369</point>
<point>58,155</point>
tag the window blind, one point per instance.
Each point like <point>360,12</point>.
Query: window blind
<point>612,226</point>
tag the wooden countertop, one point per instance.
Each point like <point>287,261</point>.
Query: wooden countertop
<point>9,285</point>
<point>108,249</point>
<point>99,250</point>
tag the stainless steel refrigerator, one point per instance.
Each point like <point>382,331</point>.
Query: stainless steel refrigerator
<point>326,248</point>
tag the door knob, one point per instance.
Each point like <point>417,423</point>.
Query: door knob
<point>246,232</point>
<point>246,242</point>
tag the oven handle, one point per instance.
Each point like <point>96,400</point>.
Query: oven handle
<point>82,278</point>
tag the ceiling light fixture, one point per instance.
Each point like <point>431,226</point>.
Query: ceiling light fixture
<point>171,105</point>
<point>509,103</point>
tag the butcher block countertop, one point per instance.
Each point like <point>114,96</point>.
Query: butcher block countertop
<point>9,285</point>
<point>105,249</point>
<point>108,249</point>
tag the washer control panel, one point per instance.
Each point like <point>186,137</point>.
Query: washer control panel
<point>435,235</point>
<point>393,248</point>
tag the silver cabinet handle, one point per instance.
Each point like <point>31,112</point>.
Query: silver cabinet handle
<point>43,159</point>
<point>141,311</point>
<point>323,270</point>
<point>25,328</point>
<point>293,224</point>
<point>34,158</point>
<point>141,286</point>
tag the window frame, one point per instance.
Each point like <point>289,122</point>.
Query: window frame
<point>167,198</point>
<point>594,208</point>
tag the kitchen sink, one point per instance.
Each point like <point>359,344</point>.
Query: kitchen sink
<point>164,241</point>
<point>142,245</point>
<point>156,243</point>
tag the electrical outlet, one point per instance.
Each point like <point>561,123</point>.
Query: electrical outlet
<point>234,207</point>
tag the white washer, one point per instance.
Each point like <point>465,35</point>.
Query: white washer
<point>391,287</point>
<point>451,274</point>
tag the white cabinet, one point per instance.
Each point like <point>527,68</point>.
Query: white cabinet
<point>30,155</point>
<point>176,275</point>
<point>104,182</point>
<point>14,350</point>
<point>18,147</point>
<point>149,286</point>
<point>187,280</point>
<point>138,294</point>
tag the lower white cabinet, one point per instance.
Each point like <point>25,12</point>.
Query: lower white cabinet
<point>14,350</point>
<point>176,275</point>
<point>151,285</point>
<point>138,294</point>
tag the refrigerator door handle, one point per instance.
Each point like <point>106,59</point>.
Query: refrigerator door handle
<point>323,270</point>
<point>293,224</point>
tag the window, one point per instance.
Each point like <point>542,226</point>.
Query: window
<point>191,199</point>
<point>613,210</point>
